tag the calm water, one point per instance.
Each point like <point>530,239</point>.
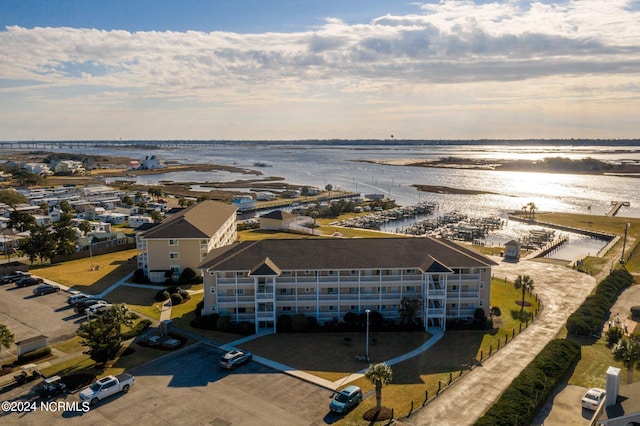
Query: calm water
<point>342,167</point>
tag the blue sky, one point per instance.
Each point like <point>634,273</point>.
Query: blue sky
<point>284,69</point>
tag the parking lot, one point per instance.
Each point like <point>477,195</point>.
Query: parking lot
<point>29,316</point>
<point>188,387</point>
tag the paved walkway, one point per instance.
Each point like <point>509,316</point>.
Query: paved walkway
<point>561,290</point>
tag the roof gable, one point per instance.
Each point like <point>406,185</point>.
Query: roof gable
<point>201,220</point>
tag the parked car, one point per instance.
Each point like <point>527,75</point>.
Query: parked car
<point>51,387</point>
<point>346,399</point>
<point>75,298</point>
<point>233,359</point>
<point>81,307</point>
<point>27,281</point>
<point>45,289</point>
<point>107,386</point>
<point>593,398</point>
<point>13,277</point>
<point>97,309</point>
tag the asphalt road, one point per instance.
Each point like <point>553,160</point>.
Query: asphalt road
<point>188,388</point>
<point>562,290</point>
<point>29,316</point>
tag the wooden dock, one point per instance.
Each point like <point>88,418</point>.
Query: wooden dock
<point>617,205</point>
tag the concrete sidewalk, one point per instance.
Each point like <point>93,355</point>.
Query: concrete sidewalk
<point>561,290</point>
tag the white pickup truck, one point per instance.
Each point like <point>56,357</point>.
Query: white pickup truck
<point>107,386</point>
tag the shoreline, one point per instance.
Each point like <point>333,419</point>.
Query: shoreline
<point>570,166</point>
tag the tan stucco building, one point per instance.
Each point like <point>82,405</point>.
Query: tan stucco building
<point>185,238</point>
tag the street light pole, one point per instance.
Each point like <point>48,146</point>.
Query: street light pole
<point>624,243</point>
<point>368,311</point>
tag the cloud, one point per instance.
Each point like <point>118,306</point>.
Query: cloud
<point>449,43</point>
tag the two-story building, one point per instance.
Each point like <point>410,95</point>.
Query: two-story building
<point>182,240</point>
<point>257,281</point>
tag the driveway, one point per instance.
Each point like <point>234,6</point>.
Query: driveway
<point>561,290</point>
<point>188,388</point>
<point>29,316</point>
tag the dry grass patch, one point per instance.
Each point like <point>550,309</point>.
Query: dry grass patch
<point>327,355</point>
<point>78,274</point>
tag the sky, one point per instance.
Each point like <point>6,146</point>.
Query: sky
<point>326,69</point>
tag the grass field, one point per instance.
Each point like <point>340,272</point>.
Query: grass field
<point>79,275</point>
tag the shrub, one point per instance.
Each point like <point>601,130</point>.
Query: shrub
<point>33,355</point>
<point>495,311</point>
<point>206,322</point>
<point>176,299</point>
<point>533,386</point>
<point>135,331</point>
<point>351,318</point>
<point>588,318</point>
<point>375,320</point>
<point>635,311</point>
<point>300,323</point>
<point>223,323</point>
<point>199,308</point>
<point>139,277</point>
<point>284,324</point>
<point>187,276</point>
<point>162,295</point>
<point>614,334</point>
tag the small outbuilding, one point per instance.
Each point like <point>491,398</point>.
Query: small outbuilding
<point>512,250</point>
<point>31,344</point>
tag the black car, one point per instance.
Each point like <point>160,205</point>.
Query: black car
<point>51,387</point>
<point>25,282</point>
<point>45,289</point>
<point>13,277</point>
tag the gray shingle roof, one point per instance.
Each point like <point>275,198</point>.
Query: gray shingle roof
<point>201,220</point>
<point>426,254</point>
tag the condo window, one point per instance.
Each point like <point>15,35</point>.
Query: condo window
<point>213,289</point>
<point>239,292</point>
<point>286,309</point>
<point>174,255</point>
<point>174,242</point>
<point>410,288</point>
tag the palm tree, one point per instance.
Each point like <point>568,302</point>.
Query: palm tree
<point>314,215</point>
<point>525,283</point>
<point>532,209</point>
<point>628,351</point>
<point>379,374</point>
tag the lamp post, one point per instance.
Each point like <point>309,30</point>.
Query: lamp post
<point>368,311</point>
<point>624,243</point>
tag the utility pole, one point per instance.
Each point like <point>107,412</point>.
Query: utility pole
<point>624,242</point>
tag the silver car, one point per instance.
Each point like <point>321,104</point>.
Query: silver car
<point>234,358</point>
<point>346,399</point>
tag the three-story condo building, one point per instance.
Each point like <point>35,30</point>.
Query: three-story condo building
<point>184,239</point>
<point>257,281</point>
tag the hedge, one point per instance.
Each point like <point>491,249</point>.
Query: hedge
<point>135,331</point>
<point>33,355</point>
<point>528,392</point>
<point>589,317</point>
